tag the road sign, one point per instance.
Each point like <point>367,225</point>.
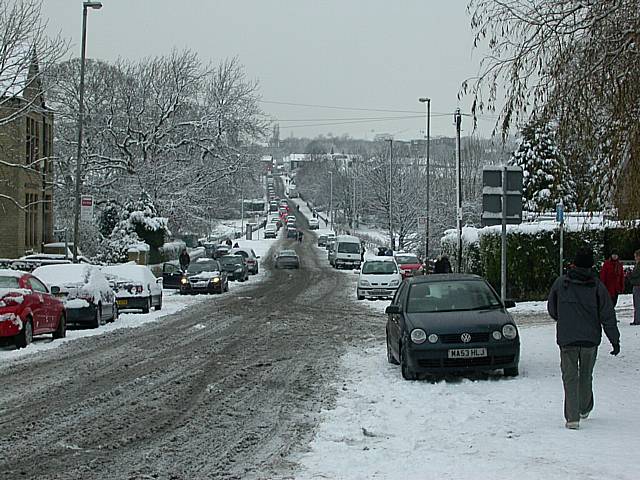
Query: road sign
<point>493,195</point>
<point>86,208</point>
<point>560,213</point>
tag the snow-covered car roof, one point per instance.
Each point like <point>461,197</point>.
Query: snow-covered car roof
<point>5,272</point>
<point>129,271</point>
<point>87,276</point>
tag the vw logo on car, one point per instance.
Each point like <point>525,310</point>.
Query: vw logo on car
<point>465,337</point>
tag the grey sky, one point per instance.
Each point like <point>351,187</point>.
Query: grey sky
<point>346,53</point>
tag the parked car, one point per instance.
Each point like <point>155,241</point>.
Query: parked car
<point>450,323</point>
<point>235,266</point>
<point>346,253</point>
<point>250,258</point>
<point>88,297</point>
<point>314,224</point>
<point>378,278</point>
<point>331,240</point>
<point>172,275</point>
<point>287,259</point>
<point>409,264</point>
<point>270,230</point>
<point>28,308</point>
<point>204,275</point>
<point>136,287</point>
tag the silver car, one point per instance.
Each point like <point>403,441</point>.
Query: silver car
<point>287,259</point>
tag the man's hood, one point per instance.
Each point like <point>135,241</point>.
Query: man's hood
<point>581,276</point>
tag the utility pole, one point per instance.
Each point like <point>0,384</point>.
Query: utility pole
<point>353,208</point>
<point>427,102</point>
<point>458,120</point>
<point>331,199</point>
<point>392,241</point>
<point>503,238</point>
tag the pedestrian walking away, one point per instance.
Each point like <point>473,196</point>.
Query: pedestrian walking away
<point>612,275</point>
<point>228,242</point>
<point>442,265</point>
<point>634,279</point>
<point>300,235</point>
<point>184,259</point>
<point>581,306</point>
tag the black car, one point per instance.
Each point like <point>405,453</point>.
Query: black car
<point>439,324</point>
<point>172,274</point>
<point>204,275</point>
<point>235,267</point>
<point>287,259</point>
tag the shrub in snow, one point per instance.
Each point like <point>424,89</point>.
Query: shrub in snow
<point>533,254</point>
<point>546,177</point>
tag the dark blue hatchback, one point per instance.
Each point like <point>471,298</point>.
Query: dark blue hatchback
<point>452,323</point>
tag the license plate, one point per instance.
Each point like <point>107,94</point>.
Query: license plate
<point>121,302</point>
<point>468,353</point>
<point>380,292</point>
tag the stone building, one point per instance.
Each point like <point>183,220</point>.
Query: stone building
<point>26,170</point>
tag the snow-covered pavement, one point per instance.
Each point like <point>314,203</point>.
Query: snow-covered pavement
<point>383,427</point>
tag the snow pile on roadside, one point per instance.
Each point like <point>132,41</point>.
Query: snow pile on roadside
<point>386,428</point>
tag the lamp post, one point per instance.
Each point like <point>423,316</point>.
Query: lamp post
<point>427,132</point>
<point>76,216</point>
<point>331,199</point>
<point>391,239</point>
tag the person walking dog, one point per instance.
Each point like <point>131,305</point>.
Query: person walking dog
<point>612,275</point>
<point>581,306</point>
<point>634,279</point>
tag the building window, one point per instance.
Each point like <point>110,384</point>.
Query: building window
<point>33,132</point>
<point>31,221</point>
<point>47,147</point>
<point>47,220</point>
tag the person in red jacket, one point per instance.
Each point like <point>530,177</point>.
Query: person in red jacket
<point>612,275</point>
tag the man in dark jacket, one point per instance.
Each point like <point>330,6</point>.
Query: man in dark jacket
<point>442,265</point>
<point>581,306</point>
<point>184,259</point>
<point>634,279</point>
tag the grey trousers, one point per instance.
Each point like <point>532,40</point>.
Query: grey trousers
<point>636,304</point>
<point>577,365</point>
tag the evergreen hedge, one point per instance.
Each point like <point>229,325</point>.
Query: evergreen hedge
<point>533,257</point>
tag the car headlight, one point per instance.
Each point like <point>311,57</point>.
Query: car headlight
<point>433,338</point>
<point>184,280</point>
<point>509,331</point>
<point>418,335</point>
<point>364,283</point>
<point>215,280</point>
<point>497,335</point>
<point>394,283</point>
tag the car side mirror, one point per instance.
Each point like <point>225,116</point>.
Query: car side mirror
<point>392,310</point>
<point>159,280</point>
<point>509,304</point>
<point>55,290</point>
<point>257,256</point>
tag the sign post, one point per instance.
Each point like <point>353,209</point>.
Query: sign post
<point>560,220</point>
<point>502,205</point>
<point>423,222</point>
<point>86,208</point>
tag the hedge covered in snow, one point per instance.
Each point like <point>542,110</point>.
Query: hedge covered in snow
<point>533,252</point>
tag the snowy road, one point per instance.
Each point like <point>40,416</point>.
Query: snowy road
<point>227,388</point>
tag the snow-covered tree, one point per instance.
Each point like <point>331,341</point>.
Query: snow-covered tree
<point>545,177</point>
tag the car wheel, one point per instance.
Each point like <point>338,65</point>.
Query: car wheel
<point>148,306</point>
<point>159,306</point>
<point>511,372</point>
<point>407,373</point>
<point>25,337</point>
<point>97,321</point>
<point>390,358</point>
<point>61,331</point>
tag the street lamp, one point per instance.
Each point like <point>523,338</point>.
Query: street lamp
<point>427,103</point>
<point>331,199</point>
<point>76,216</point>
<point>392,240</point>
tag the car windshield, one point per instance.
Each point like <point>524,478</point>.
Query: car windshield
<point>344,247</point>
<point>451,296</point>
<point>379,268</point>
<point>9,282</point>
<point>208,266</point>
<point>407,259</point>
<point>231,260</point>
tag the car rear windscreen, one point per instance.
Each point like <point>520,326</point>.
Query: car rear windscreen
<point>9,282</point>
<point>344,247</point>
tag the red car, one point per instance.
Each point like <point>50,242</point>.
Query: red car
<point>27,308</point>
<point>409,265</point>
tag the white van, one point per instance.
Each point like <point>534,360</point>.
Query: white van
<point>346,252</point>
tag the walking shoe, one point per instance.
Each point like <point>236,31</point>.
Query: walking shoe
<point>584,415</point>
<point>572,425</point>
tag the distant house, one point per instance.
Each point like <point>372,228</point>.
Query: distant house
<point>26,148</point>
<point>295,160</point>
